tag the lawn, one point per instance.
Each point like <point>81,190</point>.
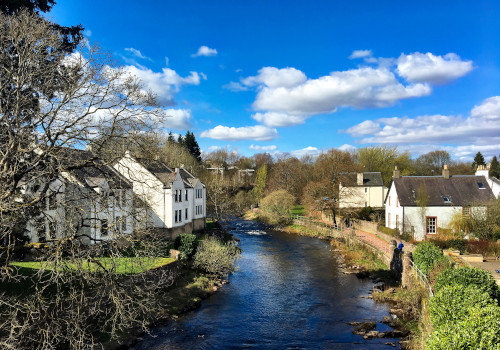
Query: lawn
<point>298,210</point>
<point>117,265</point>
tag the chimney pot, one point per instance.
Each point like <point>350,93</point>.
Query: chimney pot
<point>360,179</point>
<point>446,172</point>
<point>395,174</point>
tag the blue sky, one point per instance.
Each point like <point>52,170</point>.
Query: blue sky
<point>305,76</point>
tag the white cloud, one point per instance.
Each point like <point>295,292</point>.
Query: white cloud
<point>205,51</point>
<point>235,87</point>
<point>360,54</point>
<point>165,83</point>
<point>137,53</point>
<point>347,147</point>
<point>257,133</point>
<point>481,129</point>
<point>308,151</point>
<point>263,148</point>
<point>178,118</point>
<point>429,68</point>
<point>276,119</point>
<point>361,88</point>
<point>274,78</point>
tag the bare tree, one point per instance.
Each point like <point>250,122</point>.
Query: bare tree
<point>75,297</point>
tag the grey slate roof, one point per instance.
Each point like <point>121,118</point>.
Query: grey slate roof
<point>460,190</point>
<point>90,170</point>
<point>158,169</point>
<point>370,179</point>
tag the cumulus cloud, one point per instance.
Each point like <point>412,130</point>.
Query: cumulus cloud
<point>429,68</point>
<point>205,51</point>
<point>363,87</point>
<point>481,129</point>
<point>276,119</point>
<point>274,78</point>
<point>178,118</point>
<point>165,83</point>
<point>360,54</point>
<point>137,53</point>
<point>347,147</point>
<point>263,148</point>
<point>308,151</point>
<point>257,133</point>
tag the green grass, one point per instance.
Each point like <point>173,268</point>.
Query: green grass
<point>122,266</point>
<point>298,210</point>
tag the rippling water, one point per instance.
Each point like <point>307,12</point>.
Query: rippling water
<point>288,293</point>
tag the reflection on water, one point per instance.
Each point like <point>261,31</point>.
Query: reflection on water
<point>288,293</point>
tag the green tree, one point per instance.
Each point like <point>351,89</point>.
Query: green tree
<point>495,167</point>
<point>260,183</point>
<point>170,138</point>
<point>276,206</point>
<point>192,145</point>
<point>180,140</point>
<point>432,163</point>
<point>478,160</point>
<point>383,159</point>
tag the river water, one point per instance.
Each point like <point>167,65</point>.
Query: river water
<point>288,293</point>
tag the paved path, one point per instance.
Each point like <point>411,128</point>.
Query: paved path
<point>374,241</point>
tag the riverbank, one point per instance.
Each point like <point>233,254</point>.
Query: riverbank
<point>189,288</point>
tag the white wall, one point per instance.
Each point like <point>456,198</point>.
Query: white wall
<point>358,197</point>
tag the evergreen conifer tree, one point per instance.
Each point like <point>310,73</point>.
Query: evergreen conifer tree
<point>192,145</point>
<point>495,168</point>
<point>478,160</point>
<point>170,138</point>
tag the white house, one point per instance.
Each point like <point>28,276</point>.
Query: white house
<point>492,181</point>
<point>440,199</point>
<point>93,202</point>
<point>175,201</point>
<point>357,190</point>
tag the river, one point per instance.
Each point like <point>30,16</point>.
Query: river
<point>288,293</point>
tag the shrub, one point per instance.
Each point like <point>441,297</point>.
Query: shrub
<point>215,257</point>
<point>426,255</point>
<point>276,207</point>
<point>480,331</point>
<point>478,247</point>
<point>456,244</point>
<point>186,244</point>
<point>452,303</point>
<point>468,276</point>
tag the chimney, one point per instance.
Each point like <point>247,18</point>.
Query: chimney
<point>446,172</point>
<point>395,174</point>
<point>127,154</point>
<point>360,179</point>
<point>482,171</point>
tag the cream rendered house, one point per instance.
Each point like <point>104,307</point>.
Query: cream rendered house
<point>174,200</point>
<point>357,190</point>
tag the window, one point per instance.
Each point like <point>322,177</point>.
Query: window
<point>176,199</point>
<point>186,195</point>
<point>366,189</point>
<point>431,225</point>
<point>180,215</point>
<point>480,185</point>
<point>180,195</point>
<point>466,211</point>
<point>176,216</point>
<point>104,227</point>
<point>199,193</point>
<point>186,217</point>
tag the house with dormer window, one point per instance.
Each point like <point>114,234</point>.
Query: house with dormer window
<point>423,204</point>
<point>174,200</point>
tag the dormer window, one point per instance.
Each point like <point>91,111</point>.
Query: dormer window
<point>480,185</point>
<point>447,199</point>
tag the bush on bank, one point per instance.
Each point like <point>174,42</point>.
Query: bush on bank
<point>216,257</point>
<point>426,256</point>
<point>468,276</point>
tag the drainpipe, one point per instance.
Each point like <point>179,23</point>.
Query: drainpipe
<point>403,219</point>
<point>164,209</point>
